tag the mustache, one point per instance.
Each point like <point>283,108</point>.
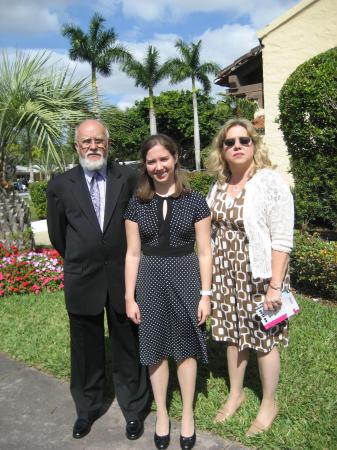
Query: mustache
<point>99,152</point>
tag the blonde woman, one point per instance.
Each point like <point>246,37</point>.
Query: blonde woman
<point>252,229</point>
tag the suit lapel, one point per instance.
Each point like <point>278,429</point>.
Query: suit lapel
<point>114,185</point>
<point>82,196</point>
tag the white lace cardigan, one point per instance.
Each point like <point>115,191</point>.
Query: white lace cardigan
<point>268,215</point>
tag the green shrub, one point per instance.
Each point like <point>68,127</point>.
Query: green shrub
<point>314,265</point>
<point>308,102</point>
<point>39,199</point>
<point>200,181</point>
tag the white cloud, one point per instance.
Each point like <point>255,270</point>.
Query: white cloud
<point>47,15</point>
<point>260,12</point>
<point>221,45</point>
<point>224,45</point>
<point>22,16</point>
<point>171,10</point>
<point>106,7</point>
<point>57,58</point>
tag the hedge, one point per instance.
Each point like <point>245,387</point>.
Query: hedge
<point>39,198</point>
<point>200,181</point>
<point>313,265</point>
<point>308,102</point>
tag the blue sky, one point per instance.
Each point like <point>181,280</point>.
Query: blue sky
<point>227,29</point>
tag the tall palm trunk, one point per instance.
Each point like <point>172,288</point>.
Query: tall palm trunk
<point>94,90</point>
<point>152,115</point>
<point>30,158</point>
<point>2,161</point>
<point>3,169</point>
<point>196,127</point>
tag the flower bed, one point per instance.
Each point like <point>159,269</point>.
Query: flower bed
<point>22,273</point>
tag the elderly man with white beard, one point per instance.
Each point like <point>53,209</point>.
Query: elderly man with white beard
<point>85,224</point>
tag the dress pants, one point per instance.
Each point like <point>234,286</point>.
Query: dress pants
<point>88,365</point>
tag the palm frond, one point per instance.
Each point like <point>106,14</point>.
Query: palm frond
<point>195,55</point>
<point>95,26</point>
<point>209,68</point>
<point>147,73</point>
<point>97,47</point>
<point>204,81</point>
<point>41,99</point>
<point>105,40</point>
<point>179,70</point>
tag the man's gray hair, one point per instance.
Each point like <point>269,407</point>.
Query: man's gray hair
<point>96,120</point>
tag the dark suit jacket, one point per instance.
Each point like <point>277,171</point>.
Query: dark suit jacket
<point>93,260</point>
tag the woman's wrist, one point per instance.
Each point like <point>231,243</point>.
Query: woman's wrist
<point>206,292</point>
<point>276,286</point>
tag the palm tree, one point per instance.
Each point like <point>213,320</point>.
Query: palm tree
<point>38,101</point>
<point>97,47</point>
<point>189,66</point>
<point>147,74</point>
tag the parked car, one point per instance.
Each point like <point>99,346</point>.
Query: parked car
<point>20,186</point>
<point>133,164</point>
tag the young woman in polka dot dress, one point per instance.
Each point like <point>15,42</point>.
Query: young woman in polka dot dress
<point>252,230</point>
<point>167,284</point>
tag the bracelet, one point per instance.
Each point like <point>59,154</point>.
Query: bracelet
<point>276,288</point>
<point>206,292</point>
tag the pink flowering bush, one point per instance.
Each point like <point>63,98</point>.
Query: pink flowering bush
<point>23,273</point>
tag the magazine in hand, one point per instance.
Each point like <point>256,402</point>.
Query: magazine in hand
<point>288,309</point>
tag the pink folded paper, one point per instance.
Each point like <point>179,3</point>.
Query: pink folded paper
<point>288,309</point>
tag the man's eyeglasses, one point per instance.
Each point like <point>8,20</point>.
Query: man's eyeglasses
<point>244,140</point>
<point>99,142</point>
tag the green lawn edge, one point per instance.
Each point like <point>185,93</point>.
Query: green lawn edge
<point>34,329</point>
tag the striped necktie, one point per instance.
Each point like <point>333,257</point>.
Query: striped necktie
<point>95,195</point>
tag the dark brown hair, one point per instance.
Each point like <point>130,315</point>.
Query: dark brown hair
<point>145,190</point>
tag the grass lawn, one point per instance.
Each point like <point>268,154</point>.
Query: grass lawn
<point>34,329</point>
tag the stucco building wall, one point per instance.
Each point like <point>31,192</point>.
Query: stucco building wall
<point>304,31</point>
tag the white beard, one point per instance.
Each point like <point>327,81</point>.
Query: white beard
<point>93,165</point>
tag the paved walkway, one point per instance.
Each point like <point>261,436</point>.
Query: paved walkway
<point>40,231</point>
<point>37,413</point>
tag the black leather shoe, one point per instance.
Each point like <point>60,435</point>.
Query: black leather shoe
<point>134,429</point>
<point>162,442</point>
<point>81,428</point>
<point>186,443</point>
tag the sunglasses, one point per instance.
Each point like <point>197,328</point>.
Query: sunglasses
<point>244,140</point>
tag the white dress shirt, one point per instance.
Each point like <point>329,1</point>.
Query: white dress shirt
<point>101,182</point>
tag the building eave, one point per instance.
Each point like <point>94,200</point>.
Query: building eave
<point>237,63</point>
<point>261,34</point>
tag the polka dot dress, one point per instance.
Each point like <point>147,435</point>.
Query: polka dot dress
<point>168,283</point>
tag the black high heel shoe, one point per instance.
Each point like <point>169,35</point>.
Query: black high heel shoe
<point>162,442</point>
<point>187,443</point>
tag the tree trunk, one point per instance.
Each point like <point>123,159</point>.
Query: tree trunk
<point>30,163</point>
<point>2,164</point>
<point>196,128</point>
<point>95,107</point>
<point>152,114</point>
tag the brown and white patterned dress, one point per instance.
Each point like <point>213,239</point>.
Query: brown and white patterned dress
<point>236,294</point>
